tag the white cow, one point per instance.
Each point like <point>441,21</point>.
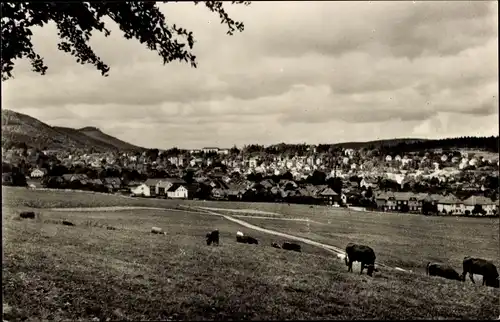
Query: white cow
<point>239,234</point>
<point>341,257</point>
<point>157,230</point>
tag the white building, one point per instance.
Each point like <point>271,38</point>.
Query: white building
<point>210,149</point>
<point>141,190</point>
<point>177,191</point>
<point>37,173</point>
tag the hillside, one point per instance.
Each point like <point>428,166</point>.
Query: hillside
<point>82,138</point>
<point>96,134</point>
<point>377,144</point>
<point>18,128</point>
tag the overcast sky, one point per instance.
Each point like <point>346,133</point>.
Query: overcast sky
<point>314,72</point>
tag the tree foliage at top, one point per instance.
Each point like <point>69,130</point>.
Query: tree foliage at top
<point>76,21</point>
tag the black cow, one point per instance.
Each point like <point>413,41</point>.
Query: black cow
<point>442,270</point>
<point>213,237</point>
<point>247,240</point>
<point>291,246</point>
<point>27,215</point>
<point>67,223</point>
<point>481,267</point>
<point>363,254</point>
<point>275,245</point>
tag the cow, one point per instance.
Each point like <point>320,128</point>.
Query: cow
<point>239,233</point>
<point>481,267</point>
<point>27,215</point>
<point>442,270</point>
<point>363,254</point>
<point>67,223</point>
<point>157,230</point>
<point>213,237</point>
<point>291,246</point>
<point>275,245</point>
<point>247,240</point>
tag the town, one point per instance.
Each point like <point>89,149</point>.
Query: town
<point>436,182</point>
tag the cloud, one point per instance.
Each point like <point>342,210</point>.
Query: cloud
<point>301,71</point>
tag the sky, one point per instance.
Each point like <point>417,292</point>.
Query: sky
<point>300,72</point>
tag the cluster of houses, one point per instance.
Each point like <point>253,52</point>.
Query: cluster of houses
<point>449,204</point>
<point>287,190</point>
<point>165,187</point>
<point>219,190</point>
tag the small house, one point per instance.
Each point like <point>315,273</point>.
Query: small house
<point>450,205</point>
<point>329,196</point>
<point>141,190</point>
<point>177,191</point>
<point>37,173</point>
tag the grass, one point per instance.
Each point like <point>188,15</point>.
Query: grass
<point>404,241</point>
<point>56,272</point>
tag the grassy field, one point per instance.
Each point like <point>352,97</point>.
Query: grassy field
<point>58,272</point>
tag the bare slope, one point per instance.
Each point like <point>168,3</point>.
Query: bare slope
<point>18,128</point>
<point>98,135</point>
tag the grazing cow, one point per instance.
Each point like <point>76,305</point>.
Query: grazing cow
<point>67,223</point>
<point>247,240</point>
<point>27,215</point>
<point>275,245</point>
<point>481,267</point>
<point>213,238</point>
<point>239,233</point>
<point>363,254</point>
<point>442,270</point>
<point>157,230</point>
<point>291,246</point>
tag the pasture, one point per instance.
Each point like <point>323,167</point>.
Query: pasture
<point>55,272</point>
<point>406,241</point>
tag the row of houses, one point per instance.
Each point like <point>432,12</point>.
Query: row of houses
<point>450,204</point>
<point>285,190</point>
<point>164,187</point>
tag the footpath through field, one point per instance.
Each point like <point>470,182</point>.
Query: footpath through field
<point>204,210</point>
<point>329,248</point>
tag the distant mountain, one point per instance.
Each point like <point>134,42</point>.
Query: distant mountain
<point>18,128</point>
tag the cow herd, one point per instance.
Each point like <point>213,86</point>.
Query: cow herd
<point>366,256</point>
<point>471,266</point>
<point>359,253</point>
<point>212,238</point>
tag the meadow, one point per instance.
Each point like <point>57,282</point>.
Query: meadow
<point>56,272</point>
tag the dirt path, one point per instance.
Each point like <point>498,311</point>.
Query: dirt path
<point>329,248</point>
<point>248,211</point>
<point>118,208</point>
<point>275,218</point>
<point>201,210</point>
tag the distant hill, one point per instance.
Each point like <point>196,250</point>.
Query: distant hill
<point>96,137</point>
<point>18,128</point>
<point>489,144</point>
<point>377,144</point>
